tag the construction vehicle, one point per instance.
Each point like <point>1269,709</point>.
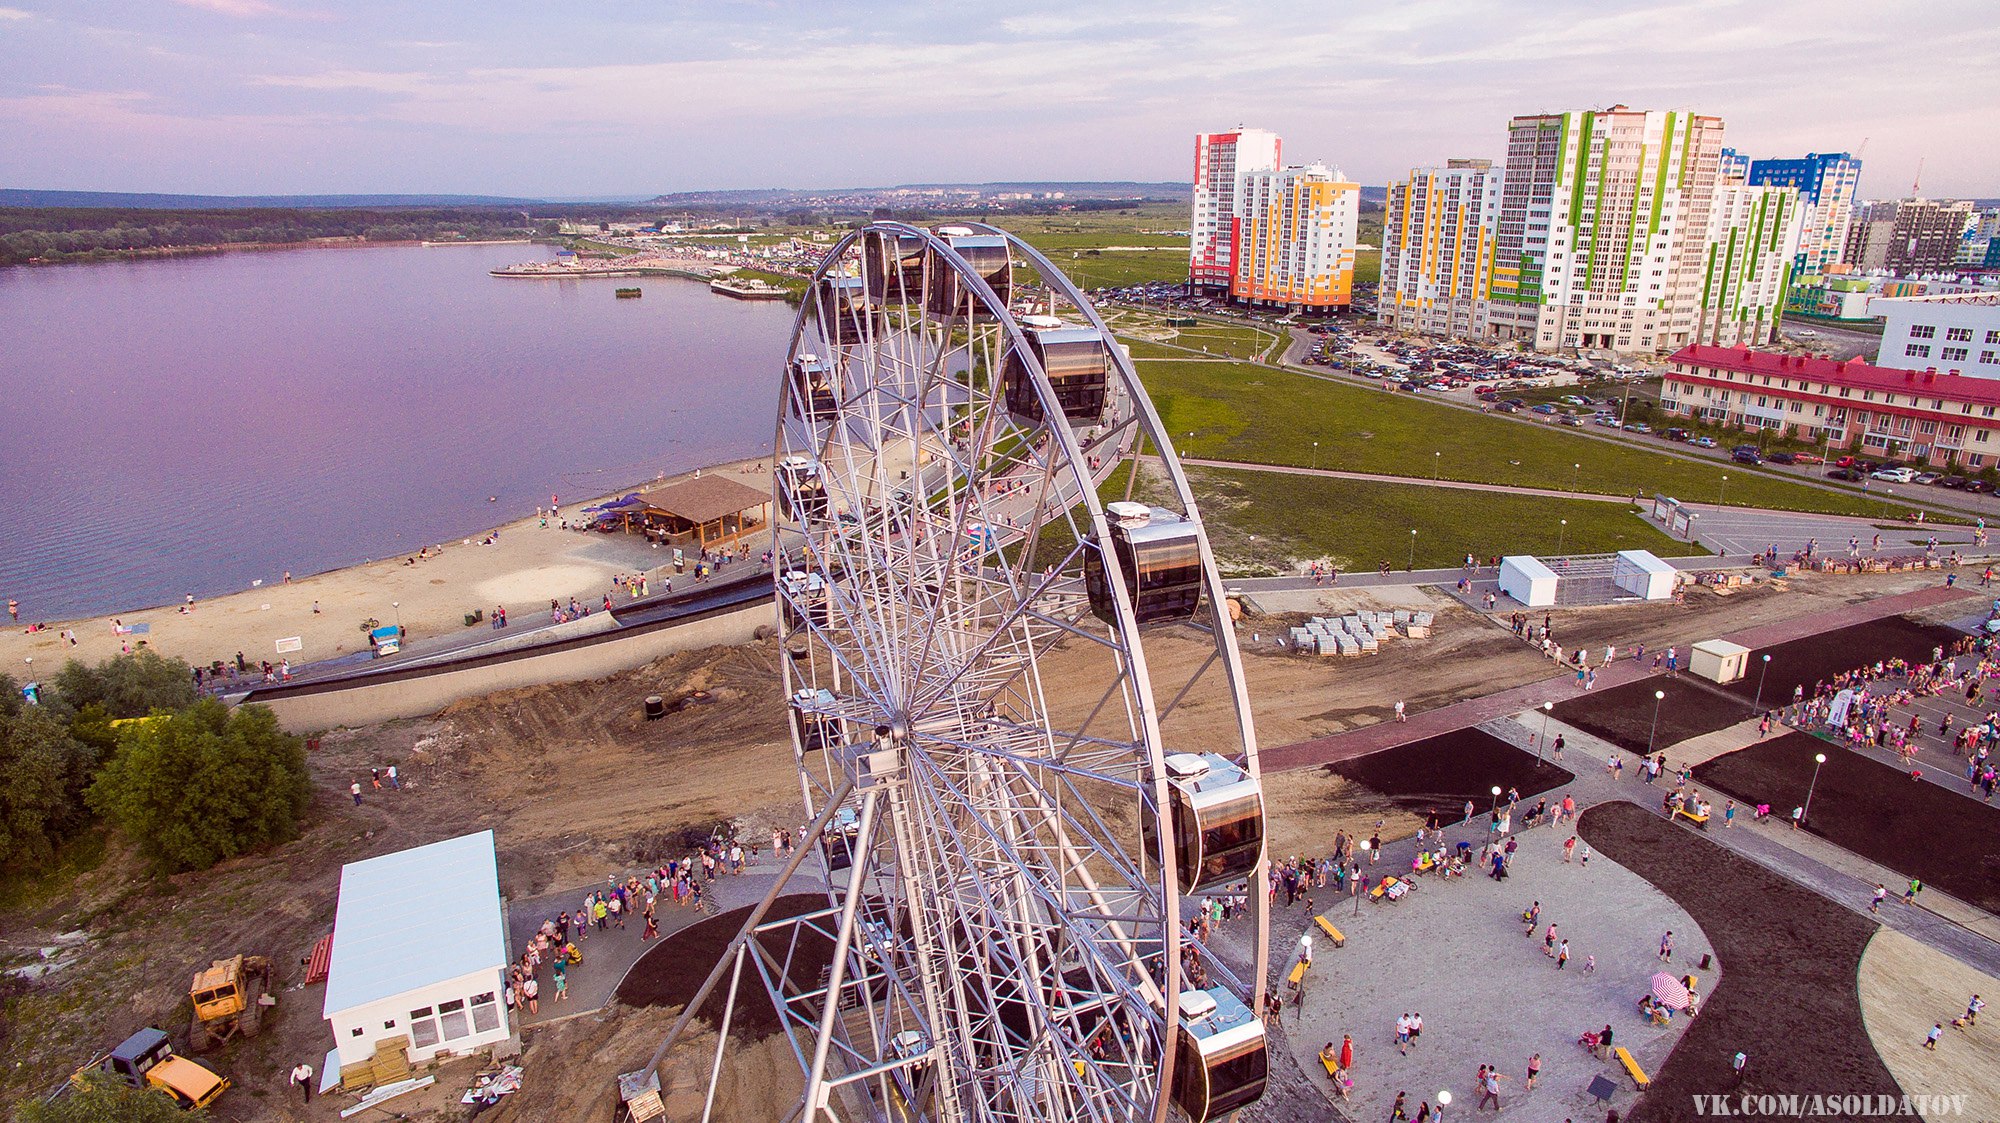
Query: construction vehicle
<point>146,1060</point>
<point>227,998</point>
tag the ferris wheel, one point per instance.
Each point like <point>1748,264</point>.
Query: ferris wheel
<point>1018,713</point>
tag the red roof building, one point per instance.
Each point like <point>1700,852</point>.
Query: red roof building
<point>1901,414</point>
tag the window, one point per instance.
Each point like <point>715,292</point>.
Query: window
<point>1953,354</point>
<point>1989,356</point>
<point>485,1013</point>
<point>1923,331</point>
<point>388,1023</point>
<point>1993,336</point>
<point>423,1028</point>
<point>1958,335</point>
<point>1917,350</point>
<point>1977,460</point>
<point>451,1019</point>
<point>355,1032</point>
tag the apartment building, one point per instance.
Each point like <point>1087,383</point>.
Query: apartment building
<point>1604,220</point>
<point>1957,333</point>
<point>1746,269</point>
<point>1437,249</point>
<point>1221,162</point>
<point>1899,414</point>
<point>1826,183</point>
<point>1295,239</point>
<point>1908,236</point>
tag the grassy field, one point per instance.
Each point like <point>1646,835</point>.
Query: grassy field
<point>1236,411</point>
<point>1092,269</point>
<point>1270,522</point>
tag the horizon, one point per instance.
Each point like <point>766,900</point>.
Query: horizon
<point>279,97</point>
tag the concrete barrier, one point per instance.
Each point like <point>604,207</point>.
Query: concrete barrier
<point>426,689</point>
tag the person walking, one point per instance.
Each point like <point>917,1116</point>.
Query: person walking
<point>1875,902</point>
<point>532,992</point>
<point>1535,1062</point>
<point>1400,715</point>
<point>1396,1111</point>
<point>1972,1010</point>
<point>302,1078</point>
<point>1559,748</point>
<point>1346,1051</point>
<point>1910,894</point>
<point>395,781</point>
<point>1931,1038</point>
<point>355,788</point>
<point>1562,956</point>
<point>1569,848</point>
<point>1490,1090</point>
<point>1667,947</point>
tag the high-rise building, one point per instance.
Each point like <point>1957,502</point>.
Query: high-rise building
<point>1295,239</point>
<point>1733,167</point>
<point>1221,161</point>
<point>1437,249</point>
<point>1826,183</point>
<point>1753,233</point>
<point>1603,220</point>
<point>1908,236</point>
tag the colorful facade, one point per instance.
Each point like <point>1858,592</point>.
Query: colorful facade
<point>1826,182</point>
<point>1900,414</point>
<point>1221,162</point>
<point>1602,229</point>
<point>1295,239</point>
<point>1437,249</point>
<point>1753,234</point>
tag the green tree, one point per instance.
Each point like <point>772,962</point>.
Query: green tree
<point>127,685</point>
<point>43,774</point>
<point>104,1100</point>
<point>204,784</point>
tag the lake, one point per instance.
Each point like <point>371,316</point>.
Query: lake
<point>196,424</point>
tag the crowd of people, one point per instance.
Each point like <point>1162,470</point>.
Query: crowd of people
<point>1875,706</point>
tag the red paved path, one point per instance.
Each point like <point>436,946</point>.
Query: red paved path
<point>1473,711</point>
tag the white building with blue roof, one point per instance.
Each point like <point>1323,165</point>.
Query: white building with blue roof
<point>419,952</point>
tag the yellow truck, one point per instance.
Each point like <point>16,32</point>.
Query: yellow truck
<point>146,1060</point>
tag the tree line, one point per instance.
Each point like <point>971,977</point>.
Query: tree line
<point>188,780</point>
<point>85,233</point>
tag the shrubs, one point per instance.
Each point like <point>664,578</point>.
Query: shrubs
<point>204,784</point>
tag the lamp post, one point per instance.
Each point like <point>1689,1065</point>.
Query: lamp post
<point>398,606</point>
<point>1315,456</point>
<point>1496,799</point>
<point>1723,490</point>
<point>1575,476</point>
<point>1547,709</point>
<point>1759,703</point>
<point>1412,564</point>
<point>1444,1101</point>
<point>1658,697</point>
<point>1805,812</point>
<point>1437,465</point>
<point>1562,535</point>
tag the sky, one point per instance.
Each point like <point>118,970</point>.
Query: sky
<point>592,98</point>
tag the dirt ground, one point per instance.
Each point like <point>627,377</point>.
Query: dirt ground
<point>1624,715</point>
<point>576,785</point>
<point>1789,956</point>
<point>1907,987</point>
<point>1816,659</point>
<point>1437,776</point>
<point>1872,809</point>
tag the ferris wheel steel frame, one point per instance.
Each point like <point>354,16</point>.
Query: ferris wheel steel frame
<point>1005,922</point>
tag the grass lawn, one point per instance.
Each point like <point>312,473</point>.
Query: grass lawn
<point>1236,411</point>
<point>1367,267</point>
<point>793,286</point>
<point>1090,269</point>
<point>1269,522</point>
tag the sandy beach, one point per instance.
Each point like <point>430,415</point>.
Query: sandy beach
<point>523,569</point>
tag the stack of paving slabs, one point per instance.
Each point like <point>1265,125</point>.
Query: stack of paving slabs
<point>390,1064</point>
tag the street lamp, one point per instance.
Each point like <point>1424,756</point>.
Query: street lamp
<point>398,606</point>
<point>1496,797</point>
<point>1547,709</point>
<point>1315,456</point>
<point>1723,490</point>
<point>1658,697</point>
<point>1411,567</point>
<point>1805,812</point>
<point>1444,1101</point>
<point>1562,536</point>
<point>1759,703</point>
<point>1575,476</point>
<point>1437,464</point>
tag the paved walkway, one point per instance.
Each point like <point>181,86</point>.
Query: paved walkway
<point>609,954</point>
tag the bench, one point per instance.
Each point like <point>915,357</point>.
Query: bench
<point>1332,1067</point>
<point>1298,972</point>
<point>1339,939</point>
<point>1697,818</point>
<point>1638,1074</point>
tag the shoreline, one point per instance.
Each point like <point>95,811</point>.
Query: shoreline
<point>514,561</point>
<point>162,253</point>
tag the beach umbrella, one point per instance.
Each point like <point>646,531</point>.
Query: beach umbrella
<point>1669,990</point>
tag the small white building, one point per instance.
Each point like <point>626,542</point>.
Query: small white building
<point>1643,575</point>
<point>419,952</point>
<point>1527,580</point>
<point>1718,660</point>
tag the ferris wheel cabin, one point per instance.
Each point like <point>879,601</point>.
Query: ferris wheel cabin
<point>893,265</point>
<point>812,388</point>
<point>801,492</point>
<point>1078,365</point>
<point>813,720</point>
<point>844,310</point>
<point>1160,553</point>
<point>1221,1059</point>
<point>947,293</point>
<point>1218,820</point>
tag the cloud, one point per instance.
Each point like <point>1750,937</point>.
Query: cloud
<point>15,14</point>
<point>242,9</point>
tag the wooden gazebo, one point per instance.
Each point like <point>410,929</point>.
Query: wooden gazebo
<point>702,512</point>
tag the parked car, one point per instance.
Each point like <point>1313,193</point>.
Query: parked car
<point>1783,458</point>
<point>1607,421</point>
<point>1703,442</point>
<point>1508,407</point>
<point>1979,486</point>
<point>1956,483</point>
<point>1927,478</point>
<point>1746,456</point>
<point>1845,462</point>
<point>1638,427</point>
<point>1675,434</point>
<point>1545,408</point>
<point>1848,474</point>
<point>1569,419</point>
<point>1807,458</point>
<point>1894,475</point>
